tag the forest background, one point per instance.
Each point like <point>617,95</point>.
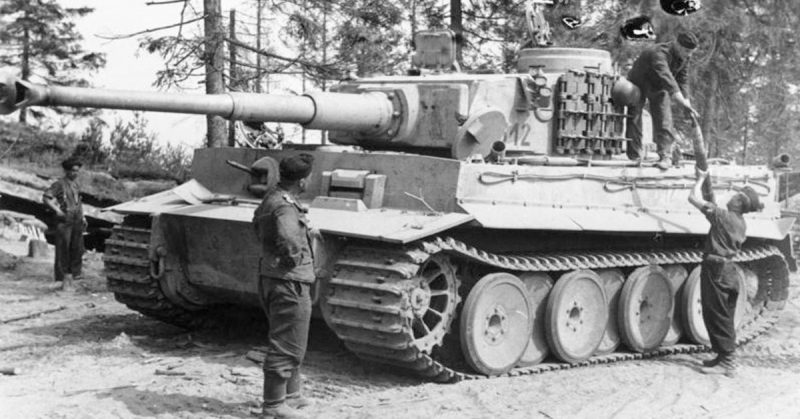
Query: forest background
<point>744,77</point>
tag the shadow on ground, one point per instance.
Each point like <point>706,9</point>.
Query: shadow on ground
<point>151,403</point>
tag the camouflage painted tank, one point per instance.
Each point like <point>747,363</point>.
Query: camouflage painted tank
<point>487,224</point>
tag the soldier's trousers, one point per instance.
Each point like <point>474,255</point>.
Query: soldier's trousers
<point>719,290</point>
<point>663,131</point>
<point>287,305</point>
<point>69,248</point>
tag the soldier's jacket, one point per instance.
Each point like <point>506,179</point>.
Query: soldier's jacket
<point>661,68</point>
<point>284,232</point>
<point>67,193</point>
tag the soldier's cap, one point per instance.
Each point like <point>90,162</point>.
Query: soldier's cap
<point>296,167</point>
<point>688,40</point>
<point>753,202</point>
<point>71,162</point>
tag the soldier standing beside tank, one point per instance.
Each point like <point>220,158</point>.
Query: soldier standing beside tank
<point>719,288</point>
<point>286,274</point>
<point>63,197</point>
<point>662,75</point>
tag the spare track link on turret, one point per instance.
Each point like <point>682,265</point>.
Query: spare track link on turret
<point>127,267</point>
<point>375,280</point>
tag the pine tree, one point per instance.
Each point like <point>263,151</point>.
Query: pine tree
<point>40,38</point>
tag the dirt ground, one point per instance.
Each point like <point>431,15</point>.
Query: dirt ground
<point>94,358</point>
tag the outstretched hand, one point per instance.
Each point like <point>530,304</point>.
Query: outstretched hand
<point>693,114</point>
<point>701,174</point>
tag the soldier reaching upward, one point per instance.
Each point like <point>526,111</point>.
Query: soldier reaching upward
<point>63,197</point>
<point>719,289</point>
<point>286,274</point>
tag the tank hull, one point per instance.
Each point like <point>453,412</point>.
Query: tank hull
<point>394,274</point>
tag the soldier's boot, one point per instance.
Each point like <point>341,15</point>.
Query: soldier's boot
<point>664,163</point>
<point>66,283</point>
<point>726,366</point>
<point>275,406</point>
<point>712,362</point>
<point>281,411</point>
<point>293,396</point>
<point>634,153</point>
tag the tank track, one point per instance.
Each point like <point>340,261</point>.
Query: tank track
<point>127,267</point>
<point>374,280</point>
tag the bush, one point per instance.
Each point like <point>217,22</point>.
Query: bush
<point>26,144</point>
<point>134,153</point>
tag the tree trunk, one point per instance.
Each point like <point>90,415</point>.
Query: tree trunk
<point>259,11</point>
<point>710,108</point>
<point>234,84</point>
<point>26,67</point>
<point>214,33</point>
<point>457,26</point>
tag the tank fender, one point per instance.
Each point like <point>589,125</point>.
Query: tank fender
<point>384,224</point>
<point>786,248</point>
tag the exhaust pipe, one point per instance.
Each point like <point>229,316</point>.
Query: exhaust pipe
<point>497,153</point>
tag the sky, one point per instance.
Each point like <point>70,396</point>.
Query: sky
<point>130,69</point>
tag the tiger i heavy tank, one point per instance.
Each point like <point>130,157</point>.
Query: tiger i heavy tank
<point>483,224</point>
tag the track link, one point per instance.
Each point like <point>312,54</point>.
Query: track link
<point>127,267</point>
<point>367,301</point>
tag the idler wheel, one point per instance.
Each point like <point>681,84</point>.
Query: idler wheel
<point>692,309</point>
<point>577,314</point>
<point>495,323</point>
<point>612,280</point>
<point>538,285</point>
<point>433,301</point>
<point>644,309</point>
<point>676,274</point>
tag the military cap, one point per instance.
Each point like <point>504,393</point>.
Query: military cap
<point>753,201</point>
<point>71,162</point>
<point>296,167</point>
<point>687,40</point>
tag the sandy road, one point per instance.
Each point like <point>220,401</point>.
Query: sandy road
<point>97,359</point>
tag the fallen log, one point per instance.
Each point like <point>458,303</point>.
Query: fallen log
<point>10,371</point>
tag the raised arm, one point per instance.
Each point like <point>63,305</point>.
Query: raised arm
<point>696,196</point>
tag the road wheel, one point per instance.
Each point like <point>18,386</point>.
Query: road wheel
<point>577,314</point>
<point>495,323</point>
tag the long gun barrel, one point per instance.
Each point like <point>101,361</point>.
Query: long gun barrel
<point>366,113</point>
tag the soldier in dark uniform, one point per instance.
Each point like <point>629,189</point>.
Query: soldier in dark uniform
<point>286,275</point>
<point>64,198</point>
<point>719,288</point>
<point>662,75</point>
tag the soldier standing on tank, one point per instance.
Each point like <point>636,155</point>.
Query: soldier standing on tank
<point>286,274</point>
<point>63,197</point>
<point>719,288</point>
<point>662,75</point>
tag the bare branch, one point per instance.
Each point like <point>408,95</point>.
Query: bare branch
<point>278,57</point>
<point>156,3</point>
<point>131,35</point>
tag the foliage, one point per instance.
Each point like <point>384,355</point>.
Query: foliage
<point>134,153</point>
<point>90,149</point>
<point>40,38</point>
<point>29,145</point>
